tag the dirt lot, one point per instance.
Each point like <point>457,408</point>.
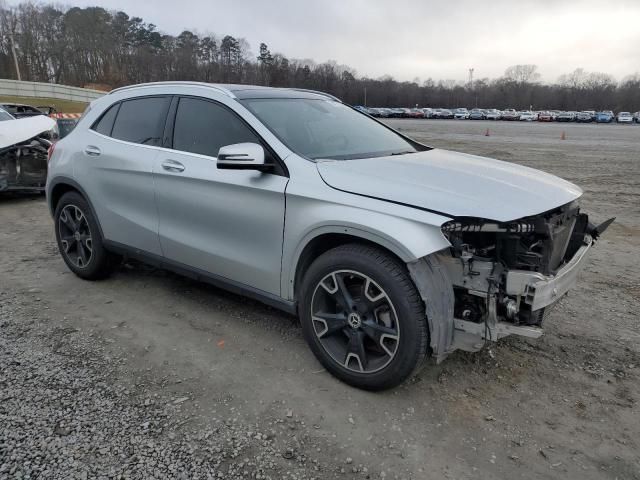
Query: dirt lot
<point>148,374</point>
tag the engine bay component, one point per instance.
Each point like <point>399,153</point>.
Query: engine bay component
<point>507,276</point>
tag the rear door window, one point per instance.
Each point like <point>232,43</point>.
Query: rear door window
<point>141,120</point>
<point>203,127</point>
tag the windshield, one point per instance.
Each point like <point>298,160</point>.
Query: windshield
<point>319,128</point>
<point>5,116</point>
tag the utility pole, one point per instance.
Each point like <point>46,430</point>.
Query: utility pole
<point>15,57</point>
<point>365,96</point>
<point>471,85</point>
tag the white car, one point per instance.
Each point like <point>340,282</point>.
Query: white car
<point>492,114</point>
<point>461,114</point>
<point>624,117</point>
<point>528,116</point>
<point>4,115</point>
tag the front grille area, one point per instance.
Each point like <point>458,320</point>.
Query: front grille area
<point>540,243</point>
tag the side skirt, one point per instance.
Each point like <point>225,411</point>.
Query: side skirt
<point>203,276</point>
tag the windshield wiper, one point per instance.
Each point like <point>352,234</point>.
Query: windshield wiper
<point>404,152</point>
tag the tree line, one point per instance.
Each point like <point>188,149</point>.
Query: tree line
<point>93,46</point>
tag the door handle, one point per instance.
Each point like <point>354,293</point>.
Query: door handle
<point>92,150</point>
<point>172,166</point>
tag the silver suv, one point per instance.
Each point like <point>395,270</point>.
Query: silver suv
<point>389,251</point>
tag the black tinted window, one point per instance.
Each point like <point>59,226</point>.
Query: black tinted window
<point>105,123</point>
<point>203,127</point>
<point>141,120</point>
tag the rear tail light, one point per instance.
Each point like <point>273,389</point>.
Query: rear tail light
<point>50,151</point>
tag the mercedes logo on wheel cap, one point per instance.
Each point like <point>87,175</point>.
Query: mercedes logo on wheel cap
<point>354,320</point>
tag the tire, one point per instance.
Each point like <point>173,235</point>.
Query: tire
<point>386,324</point>
<point>82,247</point>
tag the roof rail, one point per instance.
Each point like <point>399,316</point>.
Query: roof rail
<point>226,91</point>
<point>328,95</point>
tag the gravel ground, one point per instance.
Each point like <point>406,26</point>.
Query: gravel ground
<point>150,375</point>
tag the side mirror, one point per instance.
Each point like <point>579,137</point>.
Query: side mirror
<point>242,156</point>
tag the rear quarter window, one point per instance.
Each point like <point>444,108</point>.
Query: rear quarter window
<point>104,125</point>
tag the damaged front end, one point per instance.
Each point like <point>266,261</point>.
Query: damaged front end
<point>506,276</point>
<point>24,146</point>
<point>24,166</point>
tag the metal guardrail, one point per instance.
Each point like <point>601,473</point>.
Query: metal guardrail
<point>48,90</point>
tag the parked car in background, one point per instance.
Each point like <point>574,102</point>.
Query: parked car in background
<point>566,117</point>
<point>362,109</point>
<point>510,114</point>
<point>389,251</point>
<point>528,116</point>
<point>584,117</point>
<point>445,113</point>
<point>477,114</point>
<point>461,114</point>
<point>385,112</point>
<point>428,112</point>
<point>18,110</point>
<point>492,114</point>
<point>65,126</point>
<point>397,112</point>
<point>605,116</point>
<point>545,117</point>
<point>636,117</point>
<point>4,115</point>
<point>624,117</point>
<point>416,113</point>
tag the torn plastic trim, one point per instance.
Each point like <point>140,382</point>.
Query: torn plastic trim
<point>436,290</point>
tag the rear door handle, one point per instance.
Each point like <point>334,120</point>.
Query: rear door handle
<point>92,150</point>
<point>172,166</point>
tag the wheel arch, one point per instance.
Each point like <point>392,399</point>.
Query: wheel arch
<point>323,239</point>
<point>57,187</point>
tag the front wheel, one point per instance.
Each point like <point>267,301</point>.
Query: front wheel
<point>363,317</point>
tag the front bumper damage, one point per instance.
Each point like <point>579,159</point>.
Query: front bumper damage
<point>497,301</point>
<point>538,291</point>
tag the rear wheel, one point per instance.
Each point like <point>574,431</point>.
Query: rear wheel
<point>363,317</point>
<point>79,239</point>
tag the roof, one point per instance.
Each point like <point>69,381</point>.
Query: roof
<point>238,91</point>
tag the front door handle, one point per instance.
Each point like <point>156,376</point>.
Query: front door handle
<point>172,166</point>
<point>92,150</point>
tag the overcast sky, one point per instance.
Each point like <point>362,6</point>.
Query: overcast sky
<point>440,39</point>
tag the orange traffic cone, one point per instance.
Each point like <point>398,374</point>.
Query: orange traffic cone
<point>563,136</point>
<point>487,134</point>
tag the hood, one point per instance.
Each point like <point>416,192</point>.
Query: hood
<point>451,183</point>
<point>23,129</point>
